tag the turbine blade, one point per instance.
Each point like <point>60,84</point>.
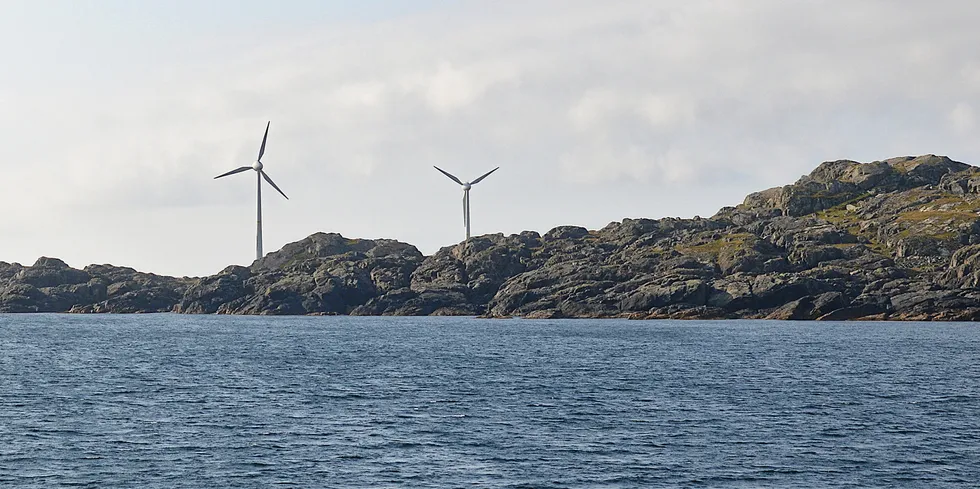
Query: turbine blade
<point>485,175</point>
<point>236,170</point>
<point>448,175</point>
<point>464,210</point>
<point>262,148</point>
<point>266,177</point>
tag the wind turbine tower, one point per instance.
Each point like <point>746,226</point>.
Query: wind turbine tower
<point>466,194</point>
<point>259,175</point>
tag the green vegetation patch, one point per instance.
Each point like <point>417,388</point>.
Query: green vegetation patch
<point>940,219</point>
<point>949,216</point>
<point>839,214</point>
<point>954,203</point>
<point>905,166</point>
<point>714,248</point>
<point>940,234</point>
<point>850,222</point>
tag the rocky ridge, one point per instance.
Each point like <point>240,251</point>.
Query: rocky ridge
<point>892,239</point>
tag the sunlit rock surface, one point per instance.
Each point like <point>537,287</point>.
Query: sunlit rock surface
<point>892,239</point>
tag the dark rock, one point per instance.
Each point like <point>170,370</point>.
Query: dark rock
<point>21,297</point>
<point>146,299</point>
<point>809,307</point>
<point>687,311</point>
<point>325,273</point>
<point>9,270</point>
<point>963,269</point>
<point>852,312</point>
<point>51,272</point>
<point>210,293</point>
<point>324,245</point>
<point>566,232</point>
<point>407,302</point>
<point>652,296</point>
<point>892,239</point>
<point>826,303</point>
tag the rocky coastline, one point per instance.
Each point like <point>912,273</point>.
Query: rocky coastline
<point>897,239</point>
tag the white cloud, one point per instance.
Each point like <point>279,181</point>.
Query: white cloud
<point>598,163</point>
<point>664,111</point>
<point>362,96</point>
<point>449,88</point>
<point>594,108</point>
<point>665,99</point>
<point>963,119</point>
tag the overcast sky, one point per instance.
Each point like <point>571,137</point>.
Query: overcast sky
<point>116,115</point>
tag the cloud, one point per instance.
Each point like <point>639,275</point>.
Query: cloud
<point>449,88</point>
<point>963,119</point>
<point>594,109</point>
<point>666,99</point>
<point>590,164</point>
<point>665,111</point>
<point>631,74</point>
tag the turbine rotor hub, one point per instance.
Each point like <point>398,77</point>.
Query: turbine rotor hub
<point>257,166</point>
<point>467,186</point>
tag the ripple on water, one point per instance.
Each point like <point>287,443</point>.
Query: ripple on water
<point>191,401</point>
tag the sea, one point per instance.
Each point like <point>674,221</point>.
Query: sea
<point>164,401</point>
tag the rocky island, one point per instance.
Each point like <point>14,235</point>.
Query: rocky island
<point>897,239</point>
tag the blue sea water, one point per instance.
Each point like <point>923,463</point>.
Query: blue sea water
<point>214,401</point>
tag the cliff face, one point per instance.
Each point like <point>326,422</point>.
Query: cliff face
<point>895,239</point>
<point>324,274</point>
<point>52,286</point>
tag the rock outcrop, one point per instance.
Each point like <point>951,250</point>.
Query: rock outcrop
<point>322,274</point>
<point>458,280</point>
<point>893,239</point>
<point>50,285</point>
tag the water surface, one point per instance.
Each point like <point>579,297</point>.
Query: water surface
<point>197,401</point>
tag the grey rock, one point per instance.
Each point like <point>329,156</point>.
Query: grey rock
<point>891,239</point>
<point>852,312</point>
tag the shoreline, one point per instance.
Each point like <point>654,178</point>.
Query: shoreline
<point>892,240</point>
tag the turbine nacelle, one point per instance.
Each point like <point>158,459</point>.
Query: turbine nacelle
<point>466,194</point>
<point>261,175</point>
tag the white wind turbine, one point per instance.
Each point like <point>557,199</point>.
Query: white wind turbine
<point>466,194</point>
<point>260,174</point>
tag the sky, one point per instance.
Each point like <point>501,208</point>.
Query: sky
<point>116,115</point>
